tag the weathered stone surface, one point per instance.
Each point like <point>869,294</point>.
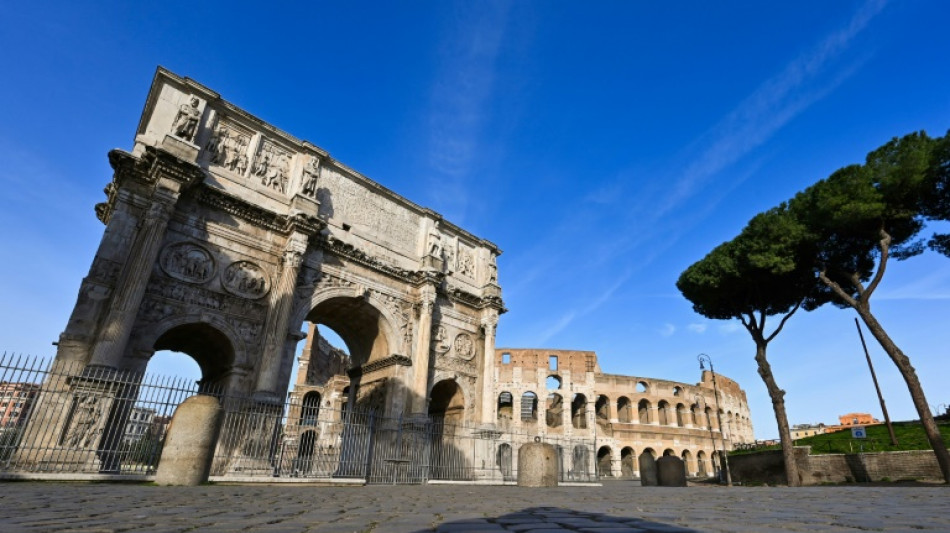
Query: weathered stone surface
<point>43,507</point>
<point>670,472</point>
<point>189,443</point>
<point>537,465</point>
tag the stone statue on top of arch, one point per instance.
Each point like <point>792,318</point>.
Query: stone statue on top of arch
<point>186,121</point>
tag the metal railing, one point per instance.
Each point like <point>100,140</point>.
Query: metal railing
<point>80,421</point>
<point>65,417</point>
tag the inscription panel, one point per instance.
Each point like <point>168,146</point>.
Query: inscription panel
<point>341,198</point>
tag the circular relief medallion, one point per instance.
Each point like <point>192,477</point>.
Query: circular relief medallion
<point>245,279</point>
<point>187,262</point>
<point>464,347</point>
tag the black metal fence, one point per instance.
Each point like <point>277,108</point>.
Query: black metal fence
<point>69,420</point>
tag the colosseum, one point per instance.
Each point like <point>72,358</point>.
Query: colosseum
<point>621,424</point>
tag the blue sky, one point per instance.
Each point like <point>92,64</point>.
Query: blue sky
<point>603,146</point>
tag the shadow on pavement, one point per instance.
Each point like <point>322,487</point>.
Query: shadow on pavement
<point>550,519</point>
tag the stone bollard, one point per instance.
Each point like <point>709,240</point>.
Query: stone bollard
<point>537,465</point>
<point>190,442</point>
<point>647,470</point>
<point>671,472</point>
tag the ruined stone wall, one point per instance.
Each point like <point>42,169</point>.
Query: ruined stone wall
<point>660,416</point>
<point>768,467</point>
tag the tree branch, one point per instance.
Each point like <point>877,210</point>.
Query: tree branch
<point>837,290</point>
<point>885,252</point>
<point>785,318</point>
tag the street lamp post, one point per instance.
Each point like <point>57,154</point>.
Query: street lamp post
<point>703,358</point>
<point>712,437</point>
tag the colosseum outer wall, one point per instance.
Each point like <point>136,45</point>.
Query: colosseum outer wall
<point>563,393</point>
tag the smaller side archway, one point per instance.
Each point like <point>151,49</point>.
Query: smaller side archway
<point>624,410</point>
<point>529,407</point>
<point>579,411</point>
<point>644,411</point>
<point>604,462</point>
<point>628,460</point>
<point>663,412</point>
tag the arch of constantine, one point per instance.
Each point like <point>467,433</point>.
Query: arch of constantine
<point>225,238</point>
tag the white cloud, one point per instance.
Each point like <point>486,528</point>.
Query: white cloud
<point>697,328</point>
<point>459,97</point>
<point>772,105</point>
<point>667,330</point>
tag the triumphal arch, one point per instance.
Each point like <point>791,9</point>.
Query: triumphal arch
<point>225,235</point>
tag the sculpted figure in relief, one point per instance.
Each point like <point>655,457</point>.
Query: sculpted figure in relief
<point>466,263</point>
<point>186,121</point>
<point>492,269</point>
<point>435,244</point>
<point>86,415</point>
<point>309,187</point>
<point>440,340</point>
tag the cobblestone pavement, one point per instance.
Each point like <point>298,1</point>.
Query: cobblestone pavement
<point>615,507</point>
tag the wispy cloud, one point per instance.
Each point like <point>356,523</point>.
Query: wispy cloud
<point>772,105</point>
<point>729,328</point>
<point>932,286</point>
<point>697,328</point>
<point>667,330</point>
<point>588,308</point>
<point>459,97</point>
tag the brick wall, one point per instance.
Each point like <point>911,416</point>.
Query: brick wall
<point>768,467</point>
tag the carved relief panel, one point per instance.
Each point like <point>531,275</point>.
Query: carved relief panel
<point>245,279</point>
<point>189,262</point>
<point>228,146</point>
<point>272,166</point>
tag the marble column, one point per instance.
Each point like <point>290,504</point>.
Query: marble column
<point>278,315</point>
<point>489,323</point>
<point>130,289</point>
<point>420,359</point>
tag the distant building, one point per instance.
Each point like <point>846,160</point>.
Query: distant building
<point>800,431</point>
<point>15,402</point>
<point>139,424</point>
<point>853,420</point>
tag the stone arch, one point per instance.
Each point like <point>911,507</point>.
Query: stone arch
<point>644,409</point>
<point>304,462</point>
<point>627,462</point>
<point>554,410</point>
<point>624,410</point>
<point>362,320</point>
<point>504,460</point>
<point>701,465</point>
<point>663,413</point>
<point>696,416</point>
<point>529,407</point>
<point>447,402</point>
<point>604,462</point>
<point>602,409</point>
<point>554,382</point>
<point>209,340</point>
<point>310,408</point>
<point>680,415</point>
<point>505,406</point>
<point>669,452</point>
<point>643,387</point>
<point>579,411</point>
<point>688,465</point>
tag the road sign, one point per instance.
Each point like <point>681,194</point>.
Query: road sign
<point>858,432</point>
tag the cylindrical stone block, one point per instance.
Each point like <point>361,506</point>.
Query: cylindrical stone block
<point>190,442</point>
<point>537,465</point>
<point>670,471</point>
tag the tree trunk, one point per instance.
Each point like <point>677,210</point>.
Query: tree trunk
<point>913,385</point>
<point>778,404</point>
